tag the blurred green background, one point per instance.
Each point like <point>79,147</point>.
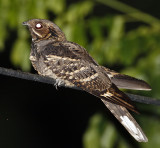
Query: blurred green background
<point>120,34</point>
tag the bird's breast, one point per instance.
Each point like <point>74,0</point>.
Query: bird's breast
<point>43,69</point>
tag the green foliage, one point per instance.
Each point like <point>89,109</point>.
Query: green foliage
<point>136,51</point>
<point>100,133</point>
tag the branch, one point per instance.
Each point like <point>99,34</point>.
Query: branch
<point>130,11</point>
<point>42,79</point>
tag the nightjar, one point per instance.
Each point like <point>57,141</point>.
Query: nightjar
<point>52,55</point>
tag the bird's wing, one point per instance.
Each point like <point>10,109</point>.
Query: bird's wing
<point>70,62</point>
<point>126,82</point>
<point>125,118</point>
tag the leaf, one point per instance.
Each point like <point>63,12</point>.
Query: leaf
<point>56,6</point>
<point>92,136</point>
<point>20,54</point>
<point>99,133</point>
<point>109,136</point>
<point>81,9</point>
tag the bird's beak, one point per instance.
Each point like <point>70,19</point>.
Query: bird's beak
<point>25,23</point>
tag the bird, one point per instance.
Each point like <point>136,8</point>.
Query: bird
<point>52,55</point>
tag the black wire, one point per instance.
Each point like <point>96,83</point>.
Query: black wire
<point>43,79</point>
<point>143,99</point>
<point>26,76</point>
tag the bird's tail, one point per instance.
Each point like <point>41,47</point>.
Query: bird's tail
<point>125,118</point>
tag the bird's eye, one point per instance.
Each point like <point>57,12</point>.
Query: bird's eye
<point>38,26</point>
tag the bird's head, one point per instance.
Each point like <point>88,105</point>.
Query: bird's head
<point>41,29</point>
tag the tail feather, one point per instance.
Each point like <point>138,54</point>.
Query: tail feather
<point>125,118</point>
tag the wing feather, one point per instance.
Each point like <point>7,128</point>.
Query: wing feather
<point>126,82</point>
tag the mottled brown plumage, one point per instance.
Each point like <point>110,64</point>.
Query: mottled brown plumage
<point>70,64</point>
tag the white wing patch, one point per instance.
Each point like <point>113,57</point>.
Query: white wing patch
<point>131,126</point>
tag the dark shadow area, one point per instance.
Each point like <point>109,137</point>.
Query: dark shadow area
<point>37,115</point>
